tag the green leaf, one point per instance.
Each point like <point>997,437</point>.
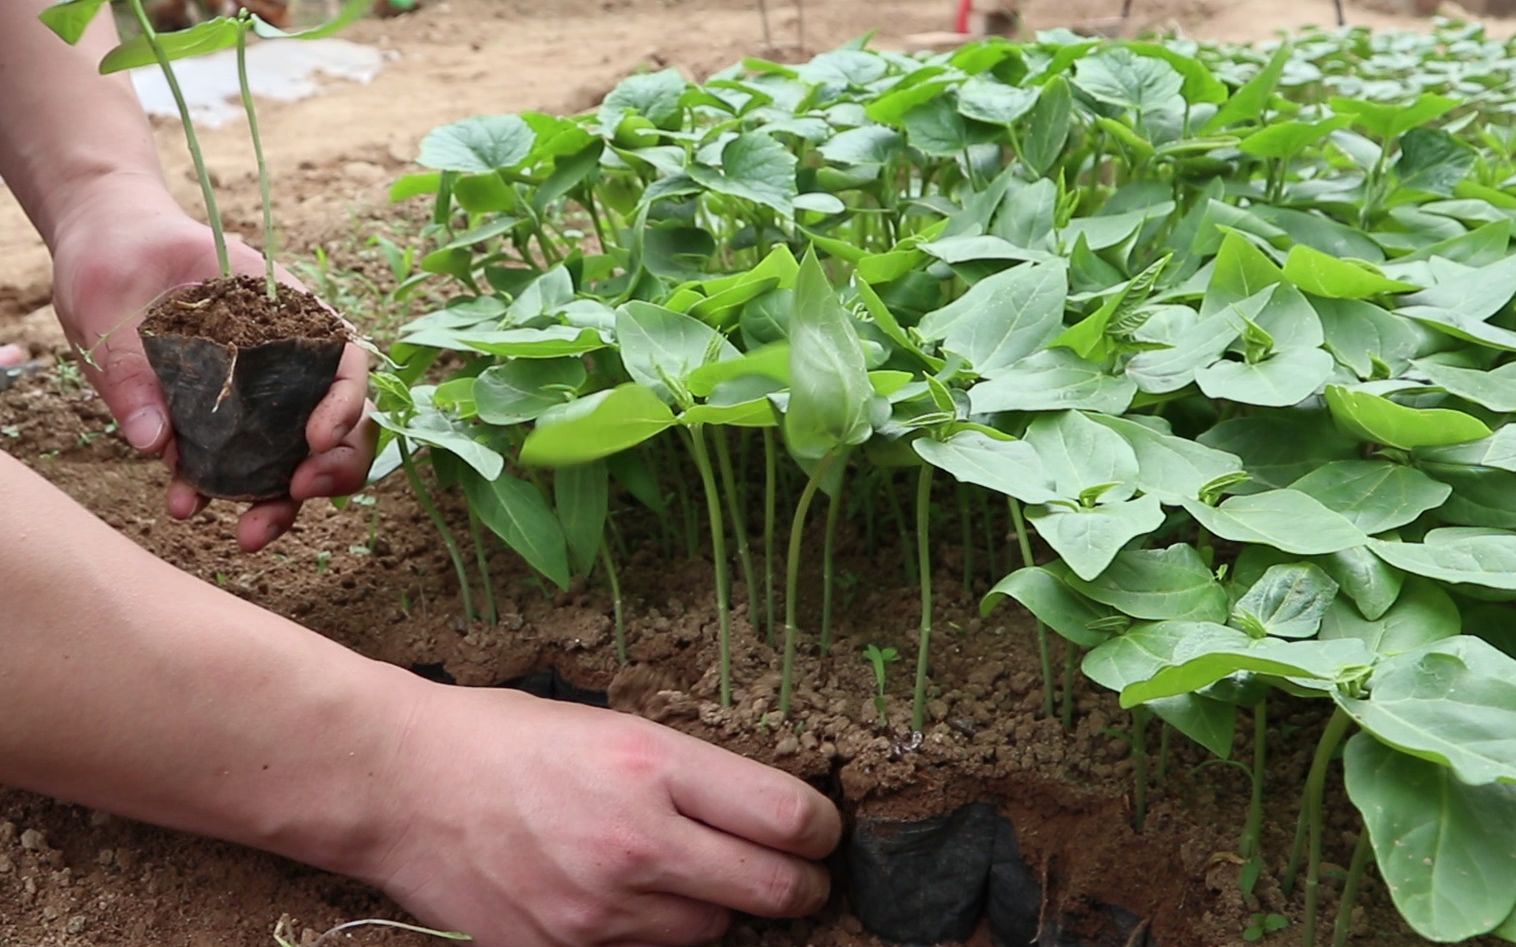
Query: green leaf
<point>206,37</point>
<point>1079,453</point>
<point>1197,345</point>
<point>1054,603</point>
<point>1002,318</point>
<point>71,18</point>
<point>1088,539</point>
<point>1158,584</point>
<point>1280,447</point>
<point>1124,79</point>
<point>1494,389</point>
<point>829,387</point>
<point>1288,602</point>
<point>1379,420</point>
<point>1204,654</point>
<point>1452,702</point>
<point>656,96</point>
<point>1444,849</point>
<point>1171,468</point>
<point>1497,451</point>
<point>1464,294</point>
<point>758,412</point>
<point>866,144</point>
<point>1365,579</point>
<point>1423,613</point>
<point>1048,126</point>
<point>479,144</point>
<point>754,167</point>
<point>1387,121</point>
<point>1278,381</point>
<point>1242,272</point>
<point>1376,495</point>
<point>348,14</point>
<point>1357,333</point>
<point>440,432</point>
<point>1486,558</point>
<point>936,129</point>
<point>1481,496</point>
<point>1325,275</point>
<point>1248,103</point>
<point>597,426</point>
<point>521,390</point>
<point>771,361</point>
<point>1287,139</point>
<point>1432,162</point>
<point>516,511</point>
<point>582,496</point>
<point>1009,467</point>
<point>1200,84</point>
<point>660,347</point>
<point>551,342</point>
<point>1053,380</point>
<point>986,100</point>
<point>1285,519</point>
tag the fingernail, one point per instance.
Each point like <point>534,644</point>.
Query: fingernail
<point>322,486</point>
<point>143,428</point>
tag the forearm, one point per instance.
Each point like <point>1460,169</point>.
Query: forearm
<point>63,126</point>
<point>131,687</point>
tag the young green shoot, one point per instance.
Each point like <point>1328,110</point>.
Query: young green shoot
<point>792,579</point>
<point>732,489</point>
<point>718,554</point>
<point>1024,542</point>
<point>1140,717</point>
<point>213,214</point>
<point>880,659</point>
<point>924,574</point>
<point>429,507</point>
<point>491,613</point>
<point>614,581</point>
<point>828,566</point>
<point>271,286</point>
<point>1363,853</point>
<point>770,489</point>
<point>1315,789</point>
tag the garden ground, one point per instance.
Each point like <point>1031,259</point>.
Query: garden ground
<point>71,877</point>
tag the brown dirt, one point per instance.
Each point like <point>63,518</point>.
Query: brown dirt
<point>236,310</point>
<point>374,578</point>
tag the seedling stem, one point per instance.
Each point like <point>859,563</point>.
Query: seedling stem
<point>212,212</point>
<point>770,489</point>
<point>1028,560</point>
<point>792,580</point>
<point>739,530</point>
<point>924,570</point>
<point>491,613</point>
<point>718,554</point>
<point>1315,787</point>
<point>828,549</point>
<point>615,583</point>
<point>270,285</point>
<point>1252,844</point>
<point>424,500</point>
<point>1140,716</point>
<point>1362,850</point>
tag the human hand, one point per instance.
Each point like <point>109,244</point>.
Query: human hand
<point>122,244</point>
<point>529,823</point>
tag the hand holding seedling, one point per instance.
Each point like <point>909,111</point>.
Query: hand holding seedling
<point>83,164</point>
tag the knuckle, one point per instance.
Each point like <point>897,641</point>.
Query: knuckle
<point>710,925</point>
<point>583,921</point>
<point>785,892</point>
<point>631,855</point>
<point>639,754</point>
<point>792,815</point>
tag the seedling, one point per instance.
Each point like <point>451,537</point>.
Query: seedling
<point>880,659</point>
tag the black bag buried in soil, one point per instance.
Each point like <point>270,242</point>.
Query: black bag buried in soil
<point>1015,893</point>
<point>923,882</point>
<point>239,415</point>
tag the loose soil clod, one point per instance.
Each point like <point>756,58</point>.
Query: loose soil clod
<point>242,375</point>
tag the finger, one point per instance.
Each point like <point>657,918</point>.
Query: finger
<point>125,381</point>
<point>342,408</point>
<point>340,471</point>
<point>669,921</point>
<point>265,522</point>
<point>12,356</point>
<point>753,801</point>
<point>183,500</point>
<point>721,869</point>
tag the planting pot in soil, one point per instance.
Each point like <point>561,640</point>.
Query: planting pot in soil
<point>242,374</point>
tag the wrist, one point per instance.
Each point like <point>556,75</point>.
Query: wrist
<point>82,198</point>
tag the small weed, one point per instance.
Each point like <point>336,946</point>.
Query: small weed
<point>11,431</point>
<point>1262,925</point>
<point>323,561</point>
<point>880,659</point>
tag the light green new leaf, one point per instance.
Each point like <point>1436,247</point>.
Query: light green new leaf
<point>1452,702</point>
<point>1009,467</point>
<point>1446,850</point>
<point>1197,346</point>
<point>1481,557</point>
<point>1053,380</point>
<point>1088,539</point>
<point>1423,613</point>
<point>1157,585</point>
<point>1169,467</point>
<point>1379,420</point>
<point>1287,139</point>
<point>71,18</point>
<point>201,39</point>
<point>551,342</point>
<point>1285,519</point>
<point>1242,272</point>
<point>1078,454</point>
<point>1376,495</point>
<point>1289,601</point>
<point>1248,102</point>
<point>1386,120</point>
<point>597,426</point>
<point>660,346</point>
<point>1205,654</point>
<point>350,12</point>
<point>521,390</point>
<point>1324,275</point>
<point>829,388</point>
<point>581,495</point>
<point>1494,389</point>
<point>1054,603</point>
<point>754,167</point>
<point>772,361</point>
<point>1002,318</point>
<point>516,511</point>
<point>1279,381</point>
<point>1047,126</point>
<point>479,144</point>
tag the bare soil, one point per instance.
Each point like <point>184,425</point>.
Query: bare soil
<point>237,311</point>
<point>374,578</point>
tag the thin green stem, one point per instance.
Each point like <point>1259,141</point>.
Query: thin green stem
<point>1140,716</point>
<point>1165,733</point>
<point>270,285</point>
<point>424,500</point>
<point>770,491</point>
<point>718,554</point>
<point>924,572</point>
<point>1315,789</point>
<point>734,509</point>
<point>1252,833</point>
<point>491,613</point>
<point>828,568</point>
<point>615,583</point>
<point>1024,541</point>
<point>1362,851</point>
<point>898,515</point>
<point>190,139</point>
<point>792,581</point>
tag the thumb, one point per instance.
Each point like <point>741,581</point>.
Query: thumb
<point>125,380</point>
